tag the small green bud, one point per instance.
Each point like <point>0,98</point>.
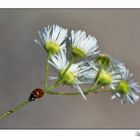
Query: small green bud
<point>77,52</point>
<point>69,77</point>
<point>103,60</point>
<point>123,87</point>
<point>104,78</point>
<point>52,47</point>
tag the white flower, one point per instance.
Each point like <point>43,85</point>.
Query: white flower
<point>106,77</point>
<point>127,88</point>
<point>114,70</point>
<point>52,38</point>
<point>74,73</point>
<point>83,45</point>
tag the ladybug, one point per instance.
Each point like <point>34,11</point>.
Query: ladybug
<point>36,94</point>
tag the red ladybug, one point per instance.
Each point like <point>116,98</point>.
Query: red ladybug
<point>36,94</point>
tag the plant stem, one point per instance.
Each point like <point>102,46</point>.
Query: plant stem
<point>86,92</point>
<point>97,77</point>
<point>47,71</point>
<point>11,111</point>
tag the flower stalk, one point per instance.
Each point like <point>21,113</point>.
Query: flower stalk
<point>13,110</point>
<point>47,71</point>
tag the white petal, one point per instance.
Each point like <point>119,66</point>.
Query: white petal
<point>131,101</point>
<point>113,97</point>
<point>52,77</point>
<point>80,90</point>
<point>36,41</point>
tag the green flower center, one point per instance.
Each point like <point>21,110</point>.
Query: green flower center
<point>123,87</point>
<point>69,77</point>
<point>104,78</point>
<point>103,59</point>
<point>52,47</point>
<point>78,52</point>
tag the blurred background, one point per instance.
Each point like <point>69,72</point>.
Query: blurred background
<point>22,68</point>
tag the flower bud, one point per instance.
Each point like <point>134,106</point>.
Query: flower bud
<point>103,60</point>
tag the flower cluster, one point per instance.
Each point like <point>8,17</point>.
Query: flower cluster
<point>76,57</point>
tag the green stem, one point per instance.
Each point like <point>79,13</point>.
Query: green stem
<point>95,86</point>
<point>97,77</point>
<point>10,112</point>
<point>86,92</point>
<point>47,71</point>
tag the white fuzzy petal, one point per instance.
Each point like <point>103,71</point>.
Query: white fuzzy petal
<point>52,77</point>
<point>113,97</point>
<point>80,90</point>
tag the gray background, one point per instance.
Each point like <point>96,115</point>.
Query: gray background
<point>22,68</point>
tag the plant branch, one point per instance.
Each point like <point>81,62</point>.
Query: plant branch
<point>11,111</point>
<point>86,92</point>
